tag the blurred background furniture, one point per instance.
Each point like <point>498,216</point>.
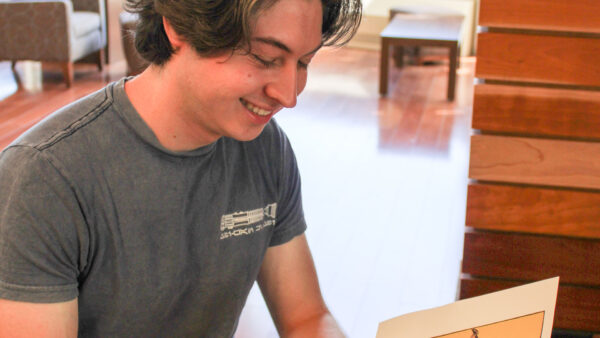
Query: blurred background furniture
<point>420,29</point>
<point>135,63</point>
<point>61,31</point>
<point>414,55</point>
<point>533,205</point>
<point>376,16</point>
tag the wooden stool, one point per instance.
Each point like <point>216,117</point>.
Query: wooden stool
<point>415,52</point>
<point>421,30</point>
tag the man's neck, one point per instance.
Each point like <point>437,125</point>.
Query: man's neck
<point>153,97</point>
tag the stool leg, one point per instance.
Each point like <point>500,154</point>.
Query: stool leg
<point>398,53</point>
<point>416,57</point>
<point>384,66</point>
<point>67,68</point>
<point>100,56</point>
<point>453,62</point>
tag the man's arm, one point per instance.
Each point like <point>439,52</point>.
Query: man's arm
<point>289,284</point>
<point>20,319</point>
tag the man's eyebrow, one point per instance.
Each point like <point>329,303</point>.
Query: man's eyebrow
<point>274,43</point>
<point>278,44</point>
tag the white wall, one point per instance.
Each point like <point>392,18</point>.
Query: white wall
<point>375,18</point>
<point>115,47</point>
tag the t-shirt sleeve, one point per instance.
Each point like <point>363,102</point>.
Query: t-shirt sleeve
<point>42,229</point>
<point>290,214</point>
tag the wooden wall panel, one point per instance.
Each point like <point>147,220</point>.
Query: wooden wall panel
<point>577,308</point>
<point>534,210</point>
<point>538,58</point>
<point>535,161</point>
<point>528,257</point>
<point>562,15</point>
<point>538,111</point>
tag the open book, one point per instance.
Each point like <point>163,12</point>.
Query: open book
<point>526,311</point>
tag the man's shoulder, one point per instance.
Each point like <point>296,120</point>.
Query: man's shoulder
<point>67,120</point>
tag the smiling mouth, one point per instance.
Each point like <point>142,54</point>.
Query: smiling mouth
<point>256,110</point>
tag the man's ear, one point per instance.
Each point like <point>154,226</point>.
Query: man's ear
<point>175,40</point>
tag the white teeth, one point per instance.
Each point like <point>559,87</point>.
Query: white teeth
<point>255,109</point>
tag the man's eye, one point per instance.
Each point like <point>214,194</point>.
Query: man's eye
<point>302,65</point>
<point>265,63</point>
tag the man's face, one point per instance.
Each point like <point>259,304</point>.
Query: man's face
<point>236,95</point>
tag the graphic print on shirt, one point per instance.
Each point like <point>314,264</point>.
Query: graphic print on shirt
<point>243,223</point>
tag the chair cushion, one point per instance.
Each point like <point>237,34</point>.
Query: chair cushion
<point>84,22</point>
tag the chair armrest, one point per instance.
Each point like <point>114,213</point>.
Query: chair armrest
<point>35,30</point>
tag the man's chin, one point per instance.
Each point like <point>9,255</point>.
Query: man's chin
<point>248,135</point>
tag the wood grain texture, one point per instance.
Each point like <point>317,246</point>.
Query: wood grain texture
<point>577,308</point>
<point>559,15</point>
<point>521,233</point>
<point>535,161</point>
<point>534,210</point>
<point>528,257</point>
<point>538,58</point>
<point>537,111</point>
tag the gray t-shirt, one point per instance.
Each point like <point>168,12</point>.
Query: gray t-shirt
<point>151,242</point>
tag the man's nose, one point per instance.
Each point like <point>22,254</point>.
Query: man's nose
<point>284,87</point>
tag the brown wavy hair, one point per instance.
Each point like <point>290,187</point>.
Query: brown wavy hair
<point>215,26</point>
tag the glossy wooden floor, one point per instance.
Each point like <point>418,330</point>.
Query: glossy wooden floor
<point>384,180</point>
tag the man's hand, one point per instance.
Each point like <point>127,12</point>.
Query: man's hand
<point>20,319</point>
<point>289,284</point>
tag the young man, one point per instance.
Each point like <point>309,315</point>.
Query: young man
<point>149,208</point>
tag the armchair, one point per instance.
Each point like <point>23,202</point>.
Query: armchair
<point>62,31</point>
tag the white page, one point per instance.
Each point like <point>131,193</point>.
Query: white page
<point>528,309</point>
